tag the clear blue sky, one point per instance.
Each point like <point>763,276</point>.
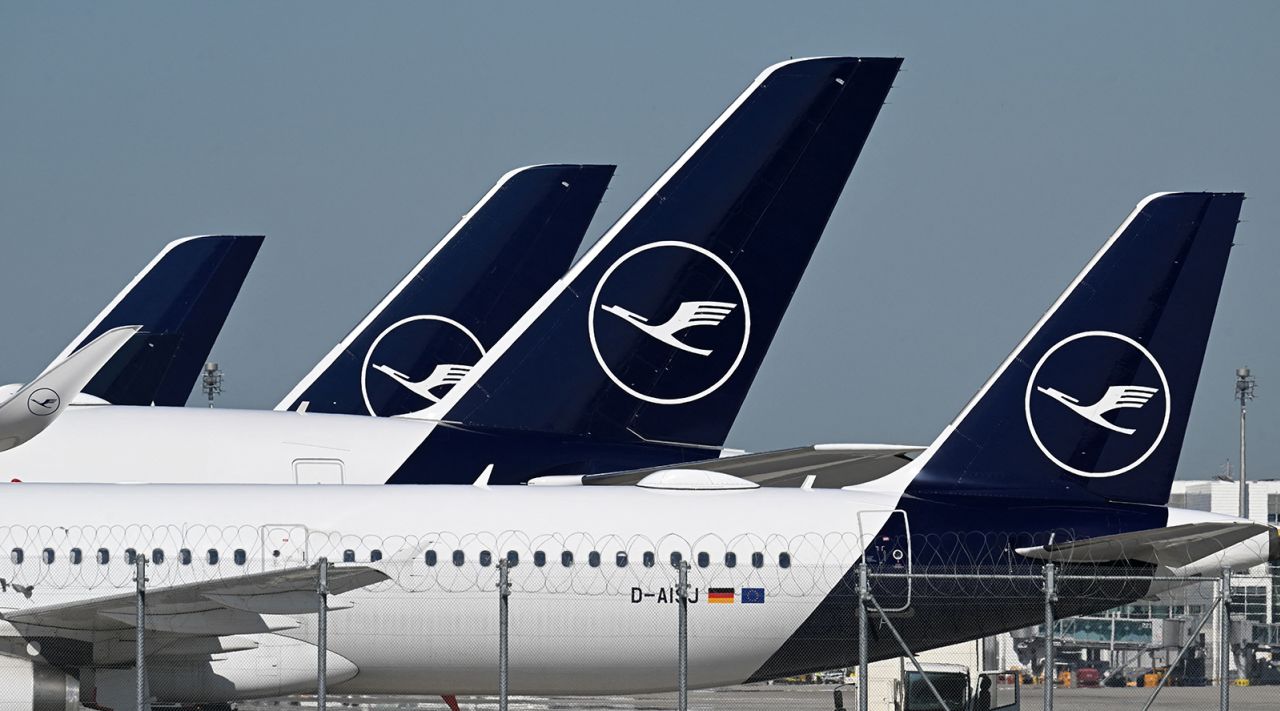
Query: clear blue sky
<point>354,135</point>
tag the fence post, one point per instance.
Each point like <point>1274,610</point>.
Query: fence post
<point>1224,644</point>
<point>504,592</point>
<point>864,667</point>
<point>682,652</point>
<point>322,633</point>
<point>1049,596</point>
<point>140,646</point>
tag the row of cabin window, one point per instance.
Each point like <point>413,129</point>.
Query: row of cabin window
<point>620,559</point>
<point>76,556</point>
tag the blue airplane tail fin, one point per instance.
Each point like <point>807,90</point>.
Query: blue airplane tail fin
<point>1094,402</point>
<point>657,332</point>
<point>455,304</point>
<point>181,299</point>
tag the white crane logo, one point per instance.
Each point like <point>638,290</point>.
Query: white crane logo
<point>688,315</point>
<point>1117,397</point>
<point>694,319</point>
<point>1094,353</point>
<point>432,388</point>
<point>444,374</point>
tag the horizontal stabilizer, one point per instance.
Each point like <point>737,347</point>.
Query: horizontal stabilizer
<point>1172,547</point>
<point>832,465</point>
<point>35,406</point>
<point>193,608</point>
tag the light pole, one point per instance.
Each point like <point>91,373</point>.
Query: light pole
<point>1245,388</point>
<point>211,381</point>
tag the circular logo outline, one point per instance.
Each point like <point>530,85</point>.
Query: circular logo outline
<point>31,402</point>
<point>746,316</point>
<point>368,355</point>
<point>1164,382</point>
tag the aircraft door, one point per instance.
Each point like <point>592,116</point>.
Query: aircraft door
<point>284,545</point>
<point>885,537</point>
<point>317,471</point>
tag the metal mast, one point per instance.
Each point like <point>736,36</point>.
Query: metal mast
<point>1245,388</point>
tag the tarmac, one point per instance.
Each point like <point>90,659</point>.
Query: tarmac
<point>808,697</point>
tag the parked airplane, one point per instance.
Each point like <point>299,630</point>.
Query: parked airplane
<point>1014,480</point>
<point>572,388</point>
<point>180,301</point>
<point>470,288</point>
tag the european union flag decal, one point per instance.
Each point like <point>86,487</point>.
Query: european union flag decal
<point>752,595</point>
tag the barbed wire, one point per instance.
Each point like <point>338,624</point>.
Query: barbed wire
<point>801,565</point>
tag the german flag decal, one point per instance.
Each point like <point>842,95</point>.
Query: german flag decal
<point>721,595</point>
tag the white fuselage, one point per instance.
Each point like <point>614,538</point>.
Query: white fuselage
<point>593,626</point>
<point>597,624</point>
<point>111,443</point>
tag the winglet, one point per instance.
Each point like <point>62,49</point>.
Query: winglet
<point>40,402</point>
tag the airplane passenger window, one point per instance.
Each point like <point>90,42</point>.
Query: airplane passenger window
<point>47,556</point>
<point>130,556</point>
<point>16,556</point>
<point>539,558</point>
<point>704,559</point>
<point>566,558</point>
<point>348,556</point>
<point>157,556</point>
<point>76,556</point>
<point>593,559</point>
<point>239,556</point>
<point>459,557</point>
<point>621,559</point>
<point>431,558</point>
<point>211,556</point>
<point>648,559</point>
<point>375,555</point>
<point>184,556</point>
<point>730,559</point>
<point>486,558</point>
<point>757,560</point>
<point>104,556</point>
<point>784,560</point>
<point>513,559</point>
<point>676,558</point>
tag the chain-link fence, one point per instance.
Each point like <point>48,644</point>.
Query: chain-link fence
<point>261,617</point>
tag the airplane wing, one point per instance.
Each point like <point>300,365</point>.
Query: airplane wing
<point>244,604</point>
<point>1173,546</point>
<point>36,405</point>
<point>834,465</point>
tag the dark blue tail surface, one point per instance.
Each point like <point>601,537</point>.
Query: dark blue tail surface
<point>1095,401</point>
<point>181,300</point>
<point>664,323</point>
<point>461,298</point>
